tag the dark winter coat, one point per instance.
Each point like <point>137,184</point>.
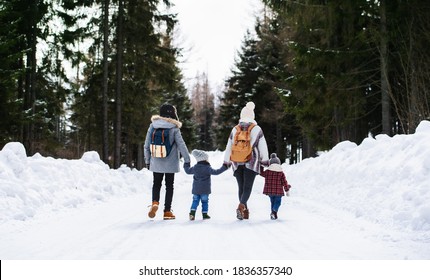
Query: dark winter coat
<point>275,182</point>
<point>202,176</point>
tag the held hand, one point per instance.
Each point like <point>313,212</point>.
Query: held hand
<point>227,164</point>
<point>147,166</point>
<point>265,163</point>
<point>186,165</point>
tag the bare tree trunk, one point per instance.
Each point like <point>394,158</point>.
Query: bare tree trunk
<point>385,97</point>
<point>140,156</point>
<point>118,106</point>
<point>105,138</point>
<point>281,149</point>
<point>413,76</point>
<point>30,82</point>
<point>308,149</point>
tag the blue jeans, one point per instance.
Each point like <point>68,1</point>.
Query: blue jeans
<point>205,202</point>
<point>275,202</point>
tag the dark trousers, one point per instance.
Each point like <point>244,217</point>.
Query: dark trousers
<point>156,188</point>
<point>245,180</point>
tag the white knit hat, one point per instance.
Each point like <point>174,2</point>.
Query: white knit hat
<point>200,155</point>
<point>247,113</point>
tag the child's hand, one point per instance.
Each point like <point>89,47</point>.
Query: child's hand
<point>287,188</point>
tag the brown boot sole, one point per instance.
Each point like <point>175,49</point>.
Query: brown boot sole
<point>169,218</point>
<point>154,209</point>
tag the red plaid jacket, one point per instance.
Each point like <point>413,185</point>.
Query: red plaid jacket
<point>275,182</point>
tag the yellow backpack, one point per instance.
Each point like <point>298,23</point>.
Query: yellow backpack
<point>241,149</point>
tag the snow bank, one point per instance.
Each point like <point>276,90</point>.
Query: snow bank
<point>30,184</point>
<point>384,179</point>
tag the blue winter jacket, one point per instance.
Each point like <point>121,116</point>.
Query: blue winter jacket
<point>202,176</point>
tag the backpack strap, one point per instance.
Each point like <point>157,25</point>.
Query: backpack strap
<point>239,128</point>
<point>152,138</point>
<point>251,127</point>
<point>248,132</point>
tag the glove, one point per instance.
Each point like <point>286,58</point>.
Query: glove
<point>228,164</point>
<point>187,164</point>
<point>265,163</point>
<point>147,166</point>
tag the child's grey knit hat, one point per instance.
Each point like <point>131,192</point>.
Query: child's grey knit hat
<point>200,155</point>
<point>274,159</point>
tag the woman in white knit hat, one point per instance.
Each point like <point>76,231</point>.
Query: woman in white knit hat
<point>245,169</point>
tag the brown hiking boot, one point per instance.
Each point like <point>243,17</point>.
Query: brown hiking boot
<point>240,211</point>
<point>168,215</point>
<point>154,208</point>
<point>246,214</point>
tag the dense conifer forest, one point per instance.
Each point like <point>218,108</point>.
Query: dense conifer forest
<point>320,72</point>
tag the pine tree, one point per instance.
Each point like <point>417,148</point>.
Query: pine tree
<point>331,72</point>
<point>239,89</point>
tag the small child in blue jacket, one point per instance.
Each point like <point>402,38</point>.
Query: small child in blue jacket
<point>201,182</point>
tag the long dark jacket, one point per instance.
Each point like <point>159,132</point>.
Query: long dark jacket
<point>202,176</point>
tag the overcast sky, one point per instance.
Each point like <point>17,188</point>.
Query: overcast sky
<point>211,32</point>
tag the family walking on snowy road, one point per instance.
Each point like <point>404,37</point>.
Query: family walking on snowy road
<point>246,152</point>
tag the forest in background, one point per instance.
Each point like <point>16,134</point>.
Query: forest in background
<point>319,72</point>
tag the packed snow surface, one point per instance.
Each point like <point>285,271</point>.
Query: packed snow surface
<point>366,201</point>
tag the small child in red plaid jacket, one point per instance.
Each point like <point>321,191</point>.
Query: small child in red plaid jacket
<point>275,184</point>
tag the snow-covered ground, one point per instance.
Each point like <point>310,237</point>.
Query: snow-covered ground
<point>370,201</point>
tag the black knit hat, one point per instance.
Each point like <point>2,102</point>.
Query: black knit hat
<point>168,111</point>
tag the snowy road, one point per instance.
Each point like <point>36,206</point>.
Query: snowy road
<point>120,229</point>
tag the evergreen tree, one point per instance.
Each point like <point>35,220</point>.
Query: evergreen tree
<point>269,90</point>
<point>258,79</point>
<point>331,76</point>
<point>11,48</point>
<point>239,89</point>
